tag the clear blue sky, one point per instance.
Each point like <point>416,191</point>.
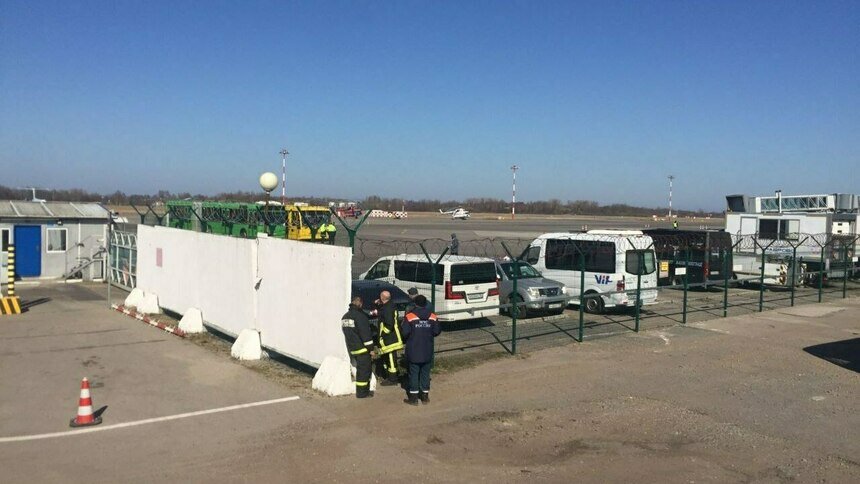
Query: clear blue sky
<point>594,100</point>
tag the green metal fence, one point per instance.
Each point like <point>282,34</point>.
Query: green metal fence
<point>747,275</point>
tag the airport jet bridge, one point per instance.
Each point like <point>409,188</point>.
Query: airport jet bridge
<point>805,221</point>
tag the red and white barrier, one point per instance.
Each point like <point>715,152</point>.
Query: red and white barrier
<point>146,319</point>
<point>386,214</point>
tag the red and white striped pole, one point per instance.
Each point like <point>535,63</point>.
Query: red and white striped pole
<point>284,154</point>
<point>671,178</point>
<point>514,192</point>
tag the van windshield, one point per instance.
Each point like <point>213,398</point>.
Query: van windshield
<point>526,271</point>
<point>476,273</point>
<point>632,262</point>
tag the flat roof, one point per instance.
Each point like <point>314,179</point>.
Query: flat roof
<point>15,209</point>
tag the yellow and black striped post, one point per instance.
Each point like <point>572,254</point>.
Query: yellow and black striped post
<point>10,251</point>
<point>10,303</point>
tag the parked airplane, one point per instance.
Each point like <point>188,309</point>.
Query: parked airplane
<point>457,213</point>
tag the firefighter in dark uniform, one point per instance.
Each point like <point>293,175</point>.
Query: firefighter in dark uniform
<point>390,341</point>
<point>359,343</point>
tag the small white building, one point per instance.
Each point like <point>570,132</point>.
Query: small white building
<point>54,240</point>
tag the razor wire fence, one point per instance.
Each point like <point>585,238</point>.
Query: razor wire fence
<point>609,283</point>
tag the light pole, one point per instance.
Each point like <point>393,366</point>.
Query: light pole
<point>514,192</point>
<point>671,177</point>
<point>284,154</point>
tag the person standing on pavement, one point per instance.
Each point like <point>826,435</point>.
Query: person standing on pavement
<point>419,328</point>
<point>454,246</point>
<point>390,341</point>
<point>330,231</point>
<point>359,343</point>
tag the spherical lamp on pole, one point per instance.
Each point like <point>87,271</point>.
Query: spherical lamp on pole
<point>268,182</point>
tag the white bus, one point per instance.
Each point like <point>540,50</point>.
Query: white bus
<point>612,259</point>
<point>464,284</point>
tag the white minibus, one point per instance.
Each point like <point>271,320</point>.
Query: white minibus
<point>612,261</point>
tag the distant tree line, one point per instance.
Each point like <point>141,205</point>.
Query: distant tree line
<point>542,207</point>
<point>487,205</point>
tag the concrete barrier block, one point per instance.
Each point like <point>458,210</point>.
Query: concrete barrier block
<point>247,346</point>
<point>192,321</point>
<point>134,298</point>
<point>149,304</point>
<point>334,377</point>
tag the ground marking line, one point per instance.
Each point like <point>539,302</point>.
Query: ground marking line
<point>135,423</point>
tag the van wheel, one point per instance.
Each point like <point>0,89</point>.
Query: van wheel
<point>594,305</point>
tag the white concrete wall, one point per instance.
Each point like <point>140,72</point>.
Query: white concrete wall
<point>210,272</point>
<point>303,292</point>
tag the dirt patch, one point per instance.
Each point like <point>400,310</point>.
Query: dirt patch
<point>450,363</point>
<point>273,370</point>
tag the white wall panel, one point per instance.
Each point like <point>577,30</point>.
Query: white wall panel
<point>304,291</point>
<point>304,288</point>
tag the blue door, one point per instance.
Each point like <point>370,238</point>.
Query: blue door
<point>28,250</point>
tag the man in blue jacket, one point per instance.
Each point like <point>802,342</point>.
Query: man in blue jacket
<point>419,328</point>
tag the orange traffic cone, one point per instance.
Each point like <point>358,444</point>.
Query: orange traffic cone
<point>85,408</point>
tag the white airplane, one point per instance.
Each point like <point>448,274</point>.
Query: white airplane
<point>457,213</point>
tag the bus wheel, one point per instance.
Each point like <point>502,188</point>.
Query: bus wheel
<point>243,233</point>
<point>594,304</point>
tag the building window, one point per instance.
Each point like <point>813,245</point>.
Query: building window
<point>4,240</point>
<point>56,240</point>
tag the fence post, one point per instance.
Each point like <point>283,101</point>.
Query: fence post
<point>844,268</point>
<point>725,282</point>
<point>640,259</point>
<point>761,278</point>
<point>821,273</point>
<point>108,270</point>
<point>513,301</point>
<point>761,285</point>
<point>433,265</point>
<point>686,283</point>
<point>351,231</point>
<point>793,271</point>
<point>581,294</point>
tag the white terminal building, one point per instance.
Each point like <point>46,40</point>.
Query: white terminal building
<point>793,220</point>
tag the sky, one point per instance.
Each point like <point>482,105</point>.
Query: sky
<point>596,100</point>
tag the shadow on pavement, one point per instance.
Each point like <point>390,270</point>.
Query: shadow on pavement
<point>844,353</point>
<point>25,305</point>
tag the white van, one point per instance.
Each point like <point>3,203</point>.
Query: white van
<point>611,261</point>
<point>463,284</point>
